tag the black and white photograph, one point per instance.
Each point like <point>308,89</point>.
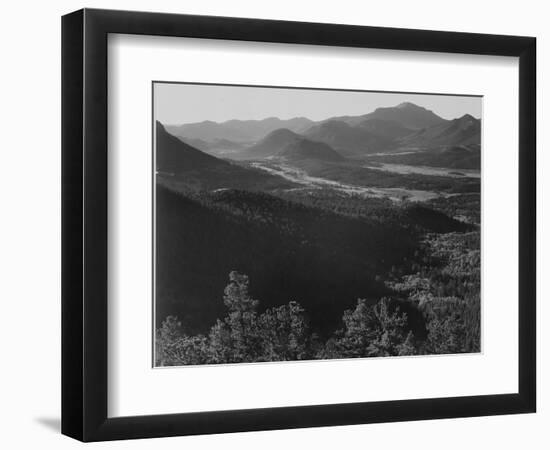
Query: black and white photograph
<point>314,224</point>
<point>275,225</point>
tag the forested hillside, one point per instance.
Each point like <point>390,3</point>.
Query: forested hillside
<point>292,239</point>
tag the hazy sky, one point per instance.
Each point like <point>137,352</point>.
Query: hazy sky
<point>186,103</point>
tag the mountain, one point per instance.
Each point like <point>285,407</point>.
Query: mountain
<point>238,130</point>
<point>176,157</point>
<point>407,115</point>
<point>257,129</point>
<point>272,144</point>
<point>347,139</point>
<point>389,129</point>
<point>302,149</point>
<point>182,167</point>
<point>403,126</point>
<point>465,130</point>
<point>283,143</point>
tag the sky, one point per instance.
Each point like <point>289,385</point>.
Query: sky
<point>177,103</point>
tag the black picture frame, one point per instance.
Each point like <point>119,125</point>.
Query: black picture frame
<point>84,224</point>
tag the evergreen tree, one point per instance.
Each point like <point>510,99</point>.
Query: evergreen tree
<point>372,330</point>
<point>241,321</point>
<point>285,334</point>
<point>173,347</point>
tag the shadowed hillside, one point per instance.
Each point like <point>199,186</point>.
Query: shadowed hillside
<point>321,259</point>
<point>182,168</point>
<point>175,156</point>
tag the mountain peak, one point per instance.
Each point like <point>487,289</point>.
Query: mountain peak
<point>408,105</point>
<point>466,121</point>
<point>408,115</point>
<point>466,117</point>
<point>281,133</point>
<point>272,143</point>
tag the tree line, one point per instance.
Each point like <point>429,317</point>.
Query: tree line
<point>283,333</point>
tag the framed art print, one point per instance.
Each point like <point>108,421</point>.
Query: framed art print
<point>276,225</point>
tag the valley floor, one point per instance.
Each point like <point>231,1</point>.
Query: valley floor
<point>426,170</point>
<point>301,177</point>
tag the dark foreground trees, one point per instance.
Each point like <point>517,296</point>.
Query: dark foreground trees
<point>283,334</point>
<point>371,330</point>
<point>278,334</point>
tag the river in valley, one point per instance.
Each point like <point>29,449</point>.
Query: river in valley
<point>299,176</point>
<point>426,170</point>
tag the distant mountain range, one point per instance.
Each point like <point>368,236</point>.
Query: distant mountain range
<point>403,126</point>
<point>248,131</point>
<point>465,130</point>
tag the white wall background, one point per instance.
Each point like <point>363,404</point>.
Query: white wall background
<point>30,225</point>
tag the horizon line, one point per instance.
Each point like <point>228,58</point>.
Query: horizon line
<point>320,89</point>
<point>312,120</point>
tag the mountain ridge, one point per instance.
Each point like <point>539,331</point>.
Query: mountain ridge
<point>407,114</point>
<point>238,130</point>
<point>284,143</point>
<point>465,130</point>
<point>405,125</point>
<point>182,167</point>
